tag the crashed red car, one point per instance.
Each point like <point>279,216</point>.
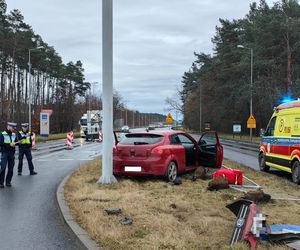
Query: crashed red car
<point>164,153</point>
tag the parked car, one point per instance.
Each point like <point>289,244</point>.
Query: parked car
<point>164,153</point>
<point>125,129</point>
<point>151,127</point>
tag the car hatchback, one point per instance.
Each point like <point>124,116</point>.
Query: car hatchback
<point>164,153</point>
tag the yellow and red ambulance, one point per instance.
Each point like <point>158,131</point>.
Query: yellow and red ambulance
<point>280,143</point>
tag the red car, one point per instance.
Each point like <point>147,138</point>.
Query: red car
<point>165,153</point>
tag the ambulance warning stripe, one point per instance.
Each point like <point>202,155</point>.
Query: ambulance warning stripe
<point>277,161</point>
<point>281,141</point>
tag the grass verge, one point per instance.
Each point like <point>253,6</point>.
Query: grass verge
<point>55,137</point>
<point>166,216</point>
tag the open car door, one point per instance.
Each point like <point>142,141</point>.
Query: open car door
<point>210,150</point>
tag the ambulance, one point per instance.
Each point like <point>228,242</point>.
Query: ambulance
<point>280,142</point>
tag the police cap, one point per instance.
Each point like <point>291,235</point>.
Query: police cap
<point>24,125</point>
<point>12,124</point>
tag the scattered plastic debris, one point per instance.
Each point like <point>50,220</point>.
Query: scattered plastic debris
<point>95,199</point>
<point>177,181</point>
<point>113,211</point>
<point>126,221</point>
<point>245,212</point>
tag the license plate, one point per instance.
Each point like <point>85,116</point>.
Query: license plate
<point>133,168</point>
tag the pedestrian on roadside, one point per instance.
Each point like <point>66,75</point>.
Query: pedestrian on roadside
<point>8,141</point>
<point>25,145</point>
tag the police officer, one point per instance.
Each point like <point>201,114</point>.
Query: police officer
<point>8,142</point>
<point>24,136</point>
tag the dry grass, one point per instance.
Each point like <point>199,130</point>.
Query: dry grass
<point>55,137</point>
<point>166,216</point>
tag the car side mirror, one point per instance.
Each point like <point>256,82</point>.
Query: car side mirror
<point>262,132</point>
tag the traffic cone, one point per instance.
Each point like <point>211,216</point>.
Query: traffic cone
<point>69,141</point>
<point>33,146</point>
<point>100,136</point>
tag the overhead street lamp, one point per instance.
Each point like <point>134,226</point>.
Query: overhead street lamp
<point>251,81</point>
<point>29,84</point>
<point>200,107</point>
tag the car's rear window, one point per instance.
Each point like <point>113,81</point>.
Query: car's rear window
<point>141,139</point>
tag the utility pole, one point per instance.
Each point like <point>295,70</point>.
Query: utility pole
<point>200,109</point>
<point>30,85</point>
<point>107,66</point>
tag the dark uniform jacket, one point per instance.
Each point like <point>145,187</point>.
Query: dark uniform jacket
<point>27,142</point>
<point>6,137</point>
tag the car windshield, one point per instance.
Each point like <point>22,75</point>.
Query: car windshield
<point>83,122</point>
<point>141,139</point>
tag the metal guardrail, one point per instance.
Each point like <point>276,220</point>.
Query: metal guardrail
<point>241,145</point>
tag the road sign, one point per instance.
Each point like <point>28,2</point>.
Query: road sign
<point>49,111</point>
<point>207,126</point>
<point>169,119</point>
<point>237,128</point>
<point>251,122</point>
<point>44,124</point>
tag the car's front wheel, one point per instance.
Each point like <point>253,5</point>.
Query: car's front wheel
<point>262,163</point>
<point>171,173</point>
<point>296,172</point>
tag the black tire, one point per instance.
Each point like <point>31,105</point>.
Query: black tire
<point>171,172</point>
<point>296,172</point>
<point>262,163</point>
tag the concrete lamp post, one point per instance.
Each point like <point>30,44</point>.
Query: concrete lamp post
<point>107,66</point>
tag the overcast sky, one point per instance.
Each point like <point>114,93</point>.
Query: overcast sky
<point>154,40</point>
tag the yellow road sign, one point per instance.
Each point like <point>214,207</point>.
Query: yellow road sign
<point>251,122</point>
<point>169,119</point>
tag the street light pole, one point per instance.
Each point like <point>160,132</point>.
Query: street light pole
<point>29,90</point>
<point>30,85</point>
<point>107,75</point>
<point>251,82</point>
<point>200,108</point>
<point>251,89</point>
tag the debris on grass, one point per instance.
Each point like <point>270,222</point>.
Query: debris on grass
<point>113,211</point>
<point>94,199</point>
<point>257,196</point>
<point>126,221</point>
<point>173,206</point>
<point>166,216</point>
<point>177,181</point>
<point>200,173</point>
<point>217,184</point>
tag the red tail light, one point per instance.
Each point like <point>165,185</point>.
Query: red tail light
<point>158,150</point>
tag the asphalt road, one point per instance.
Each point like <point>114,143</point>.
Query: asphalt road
<point>29,216</point>
<point>243,156</point>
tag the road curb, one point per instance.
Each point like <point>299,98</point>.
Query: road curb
<point>80,233</point>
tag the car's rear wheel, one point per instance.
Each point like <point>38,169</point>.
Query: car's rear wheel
<point>262,163</point>
<point>296,172</point>
<point>171,173</point>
